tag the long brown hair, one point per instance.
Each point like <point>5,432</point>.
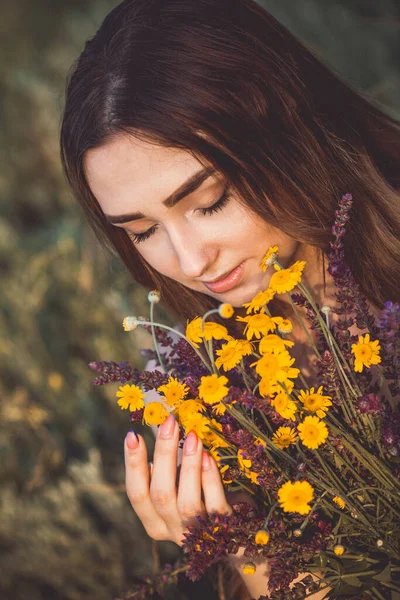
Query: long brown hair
<point>225,81</point>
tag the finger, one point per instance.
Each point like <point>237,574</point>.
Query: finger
<point>137,486</point>
<point>189,490</point>
<point>163,478</point>
<point>213,488</point>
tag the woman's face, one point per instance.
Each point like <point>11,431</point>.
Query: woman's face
<point>189,241</point>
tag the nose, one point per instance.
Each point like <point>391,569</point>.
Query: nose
<point>196,254</point>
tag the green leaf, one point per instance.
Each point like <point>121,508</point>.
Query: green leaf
<point>353,581</point>
<point>385,575</point>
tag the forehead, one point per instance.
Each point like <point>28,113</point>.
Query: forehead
<point>127,173</point>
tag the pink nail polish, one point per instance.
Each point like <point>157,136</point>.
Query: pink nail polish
<point>190,445</point>
<point>167,428</point>
<point>132,440</point>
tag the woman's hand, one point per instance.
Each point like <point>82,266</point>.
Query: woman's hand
<point>165,505</point>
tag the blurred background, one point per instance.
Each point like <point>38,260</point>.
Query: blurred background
<point>67,531</point>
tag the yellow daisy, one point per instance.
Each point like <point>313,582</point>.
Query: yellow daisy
<point>268,388</point>
<point>197,422</point>
<point>258,324</point>
<point>229,356</point>
<point>272,342</point>
<point>284,280</point>
<point>193,331</point>
<point>284,406</point>
<point>244,465</point>
<point>219,408</point>
<point>272,365</point>
<point>315,401</point>
<point>259,442</point>
<point>262,537</point>
<point>245,346</point>
<point>249,568</point>
<point>312,432</point>
<point>210,437</point>
<point>186,409</point>
<point>213,388</point>
<point>284,437</point>
<point>225,310</point>
<point>366,353</point>
<point>174,391</point>
<point>269,258</point>
<point>155,413</point>
<point>339,501</point>
<point>295,497</point>
<point>225,478</point>
<point>130,396</point>
<point>285,326</point>
<point>215,331</point>
<point>259,300</point>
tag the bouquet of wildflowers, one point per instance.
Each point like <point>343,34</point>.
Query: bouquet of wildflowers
<point>322,461</point>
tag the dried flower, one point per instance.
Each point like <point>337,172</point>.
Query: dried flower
<point>295,497</point>
<point>338,549</point>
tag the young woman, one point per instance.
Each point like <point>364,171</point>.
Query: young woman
<point>196,134</point>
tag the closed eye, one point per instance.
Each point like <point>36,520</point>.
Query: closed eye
<point>218,205</point>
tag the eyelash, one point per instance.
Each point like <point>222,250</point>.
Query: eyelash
<point>218,205</point>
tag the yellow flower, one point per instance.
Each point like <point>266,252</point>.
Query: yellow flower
<point>219,408</point>
<point>225,478</point>
<point>230,355</point>
<point>315,401</point>
<point>284,437</point>
<point>189,407</point>
<point>284,406</point>
<point>155,413</point>
<point>312,432</point>
<point>193,331</point>
<point>197,422</point>
<point>339,501</point>
<point>272,365</point>
<point>174,391</point>
<point>244,465</point>
<point>268,389</point>
<point>284,280</point>
<point>249,568</point>
<point>338,549</point>
<point>269,258</point>
<point>259,442</point>
<point>212,388</point>
<point>262,537</point>
<point>258,324</point>
<point>215,331</point>
<point>272,342</point>
<point>259,300</point>
<point>366,353</point>
<point>210,437</point>
<point>245,346</point>
<point>285,326</point>
<point>130,396</point>
<point>225,310</point>
<point>295,497</point>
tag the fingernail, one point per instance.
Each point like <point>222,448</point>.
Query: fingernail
<point>190,445</point>
<point>205,461</point>
<point>167,428</point>
<point>132,440</point>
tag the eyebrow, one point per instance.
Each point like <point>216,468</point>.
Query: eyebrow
<point>186,188</point>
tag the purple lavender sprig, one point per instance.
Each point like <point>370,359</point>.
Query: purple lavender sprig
<point>112,372</point>
<point>388,333</point>
<point>351,299</point>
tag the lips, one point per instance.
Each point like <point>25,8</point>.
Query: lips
<point>228,282</point>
